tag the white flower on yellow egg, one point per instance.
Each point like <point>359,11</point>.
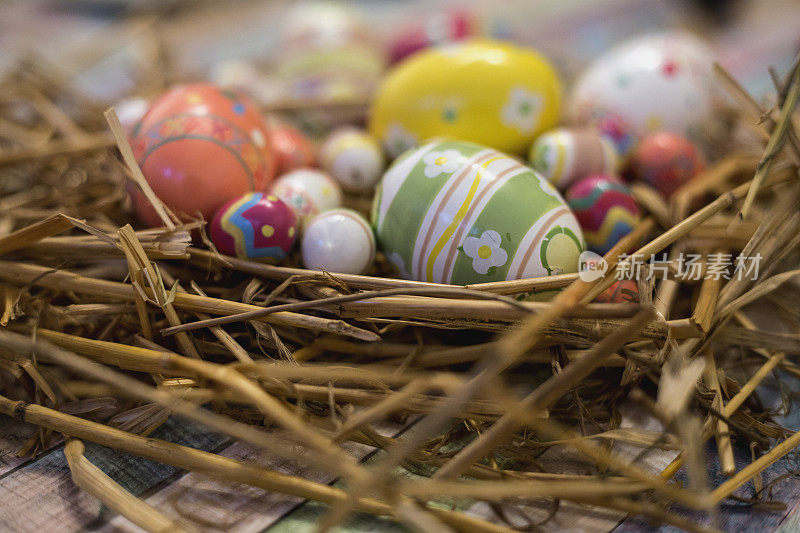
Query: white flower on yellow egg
<point>446,161</point>
<point>397,261</point>
<point>521,111</point>
<point>485,251</point>
<point>398,139</point>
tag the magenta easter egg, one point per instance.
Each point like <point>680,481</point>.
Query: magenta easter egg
<point>605,209</point>
<point>666,161</point>
<point>255,226</point>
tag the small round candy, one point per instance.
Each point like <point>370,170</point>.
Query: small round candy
<point>666,161</point>
<point>339,240</point>
<point>353,157</point>
<point>198,147</point>
<point>564,155</point>
<point>292,149</point>
<point>605,209</point>
<point>622,291</point>
<point>255,226</point>
<point>308,191</point>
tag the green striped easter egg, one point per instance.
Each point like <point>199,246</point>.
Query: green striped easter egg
<point>460,213</point>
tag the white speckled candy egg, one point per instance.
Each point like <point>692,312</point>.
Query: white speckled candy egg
<point>564,155</point>
<point>353,157</point>
<point>339,240</point>
<point>308,191</point>
<point>457,212</point>
<point>488,92</point>
<point>652,82</point>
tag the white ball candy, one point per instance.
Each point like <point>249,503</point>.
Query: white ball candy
<point>308,191</point>
<point>353,157</point>
<point>339,240</point>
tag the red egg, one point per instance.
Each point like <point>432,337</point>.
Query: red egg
<point>255,226</point>
<point>291,148</point>
<point>625,290</point>
<point>666,161</point>
<point>198,147</point>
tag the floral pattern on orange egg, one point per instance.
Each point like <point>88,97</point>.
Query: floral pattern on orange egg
<point>198,147</point>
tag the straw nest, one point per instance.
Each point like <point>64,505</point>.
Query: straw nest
<point>107,331</point>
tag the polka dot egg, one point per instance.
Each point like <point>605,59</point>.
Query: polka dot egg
<point>605,209</point>
<point>652,82</point>
<point>308,192</point>
<point>461,213</point>
<point>339,240</point>
<point>255,226</point>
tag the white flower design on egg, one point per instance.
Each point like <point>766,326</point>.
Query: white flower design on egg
<point>485,251</point>
<point>398,139</point>
<point>521,111</point>
<point>437,162</point>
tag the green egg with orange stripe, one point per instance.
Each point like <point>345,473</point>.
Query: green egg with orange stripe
<point>460,213</point>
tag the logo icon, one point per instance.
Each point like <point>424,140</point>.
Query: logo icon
<point>591,266</point>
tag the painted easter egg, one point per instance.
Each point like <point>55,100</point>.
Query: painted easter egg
<point>488,92</point>
<point>605,209</point>
<point>255,226</point>
<point>457,212</point>
<point>308,191</point>
<point>666,161</point>
<point>353,157</point>
<point>650,83</point>
<point>292,149</point>
<point>437,29</point>
<point>622,291</point>
<point>198,147</point>
<point>339,240</point>
<point>564,155</point>
<point>328,52</point>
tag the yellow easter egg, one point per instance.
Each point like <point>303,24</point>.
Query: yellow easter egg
<point>493,93</point>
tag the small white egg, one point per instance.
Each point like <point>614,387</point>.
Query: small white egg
<point>339,240</point>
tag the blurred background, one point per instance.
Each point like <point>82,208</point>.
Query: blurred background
<point>112,49</point>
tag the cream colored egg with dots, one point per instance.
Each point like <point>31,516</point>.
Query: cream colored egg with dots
<point>309,192</point>
<point>353,157</point>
